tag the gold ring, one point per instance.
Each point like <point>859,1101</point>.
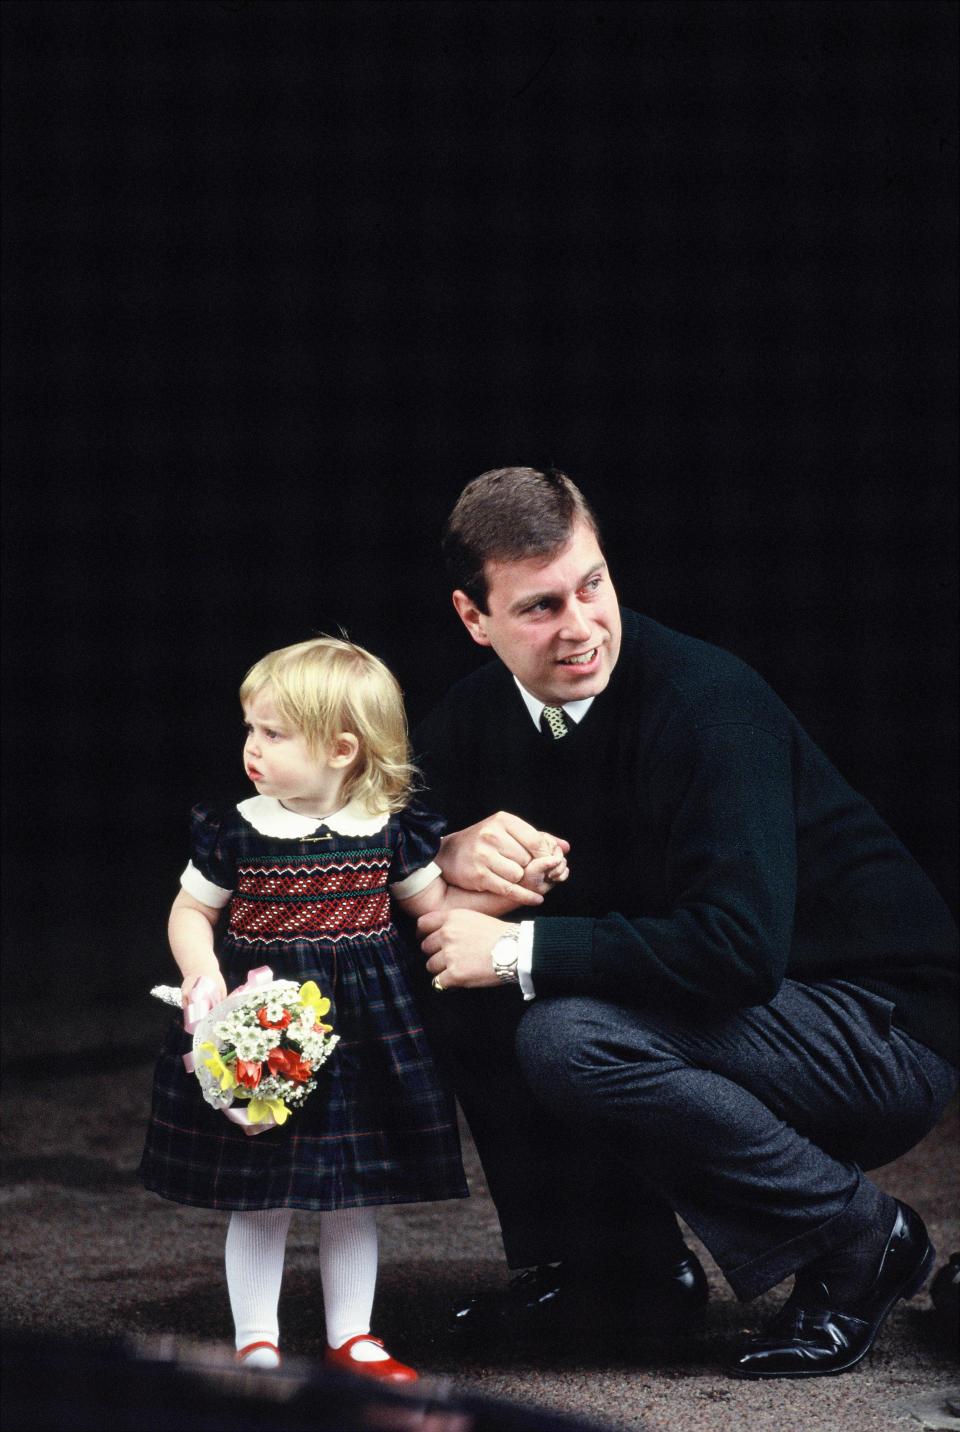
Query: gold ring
<point>437,985</point>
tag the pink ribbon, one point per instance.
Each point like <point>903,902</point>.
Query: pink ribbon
<point>239,1116</point>
<point>203,996</point>
<point>262,975</point>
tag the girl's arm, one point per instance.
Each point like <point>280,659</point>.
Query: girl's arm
<point>539,877</point>
<point>190,932</point>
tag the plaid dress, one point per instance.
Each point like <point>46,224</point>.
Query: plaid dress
<point>312,901</point>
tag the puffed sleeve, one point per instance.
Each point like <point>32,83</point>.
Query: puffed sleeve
<point>210,876</point>
<point>412,866</point>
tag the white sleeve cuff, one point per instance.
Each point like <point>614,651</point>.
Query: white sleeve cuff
<point>525,959</point>
<point>203,889</point>
<point>419,880</point>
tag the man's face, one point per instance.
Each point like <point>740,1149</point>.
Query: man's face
<point>554,623</point>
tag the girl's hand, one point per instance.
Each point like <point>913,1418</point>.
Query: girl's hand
<point>492,856</point>
<point>216,979</point>
<point>546,871</point>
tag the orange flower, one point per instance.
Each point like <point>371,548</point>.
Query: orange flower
<point>248,1072</point>
<point>267,1023</point>
<point>289,1062</point>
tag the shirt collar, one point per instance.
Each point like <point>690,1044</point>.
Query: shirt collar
<point>576,710</point>
<point>269,817</point>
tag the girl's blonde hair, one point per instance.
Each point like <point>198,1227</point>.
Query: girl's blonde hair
<point>329,685</point>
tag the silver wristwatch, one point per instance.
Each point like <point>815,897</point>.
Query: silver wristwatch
<point>504,955</point>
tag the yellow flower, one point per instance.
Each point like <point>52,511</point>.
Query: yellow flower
<point>259,1110</point>
<point>311,997</point>
<point>217,1067</point>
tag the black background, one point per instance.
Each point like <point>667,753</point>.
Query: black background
<point>279,278</point>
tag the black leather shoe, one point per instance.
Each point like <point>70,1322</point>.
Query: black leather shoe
<point>552,1302</point>
<point>810,1337</point>
<point>533,1298</point>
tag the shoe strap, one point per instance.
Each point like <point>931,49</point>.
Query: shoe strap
<point>251,1347</point>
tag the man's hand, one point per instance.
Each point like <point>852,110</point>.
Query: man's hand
<point>493,855</point>
<point>459,943</point>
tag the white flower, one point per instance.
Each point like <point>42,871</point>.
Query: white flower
<point>253,1045</point>
<point>312,1046</point>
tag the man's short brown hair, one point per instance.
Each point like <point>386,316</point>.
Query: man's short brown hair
<point>506,515</point>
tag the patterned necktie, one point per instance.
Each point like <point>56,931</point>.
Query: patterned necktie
<point>553,722</point>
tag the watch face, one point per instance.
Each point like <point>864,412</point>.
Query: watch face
<point>504,956</point>
<point>505,953</point>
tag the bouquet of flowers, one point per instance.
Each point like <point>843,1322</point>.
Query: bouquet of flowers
<point>260,1047</point>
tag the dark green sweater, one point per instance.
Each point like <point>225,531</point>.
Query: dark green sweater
<point>714,848</point>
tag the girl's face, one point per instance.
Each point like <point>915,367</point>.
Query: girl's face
<point>277,760</point>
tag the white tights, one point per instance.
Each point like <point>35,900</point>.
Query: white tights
<point>256,1243</point>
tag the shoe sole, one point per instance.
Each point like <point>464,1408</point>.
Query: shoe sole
<point>910,1289</point>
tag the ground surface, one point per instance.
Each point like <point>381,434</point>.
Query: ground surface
<point>88,1253</point>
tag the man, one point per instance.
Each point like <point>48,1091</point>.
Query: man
<point>741,998</point>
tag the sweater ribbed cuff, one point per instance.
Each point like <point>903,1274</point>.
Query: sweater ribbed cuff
<point>563,955</point>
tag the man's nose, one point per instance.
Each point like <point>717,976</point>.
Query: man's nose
<point>575,625</point>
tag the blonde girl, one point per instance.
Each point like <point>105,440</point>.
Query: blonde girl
<point>304,875</point>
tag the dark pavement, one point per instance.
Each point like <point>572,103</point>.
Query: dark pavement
<point>89,1255</point>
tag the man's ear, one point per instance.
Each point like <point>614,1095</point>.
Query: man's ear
<point>344,751</point>
<point>472,617</point>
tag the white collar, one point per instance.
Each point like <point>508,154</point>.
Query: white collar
<point>576,710</point>
<point>269,817</point>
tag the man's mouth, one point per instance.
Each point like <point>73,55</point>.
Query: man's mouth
<point>584,659</point>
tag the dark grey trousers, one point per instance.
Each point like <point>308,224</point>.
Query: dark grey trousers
<point>754,1125</point>
<point>562,1193</point>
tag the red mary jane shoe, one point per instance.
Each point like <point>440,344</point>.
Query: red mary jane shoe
<point>243,1356</point>
<point>387,1370</point>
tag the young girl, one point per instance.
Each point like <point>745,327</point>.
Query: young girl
<point>306,870</point>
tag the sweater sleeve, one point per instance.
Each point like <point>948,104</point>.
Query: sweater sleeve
<point>723,806</point>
